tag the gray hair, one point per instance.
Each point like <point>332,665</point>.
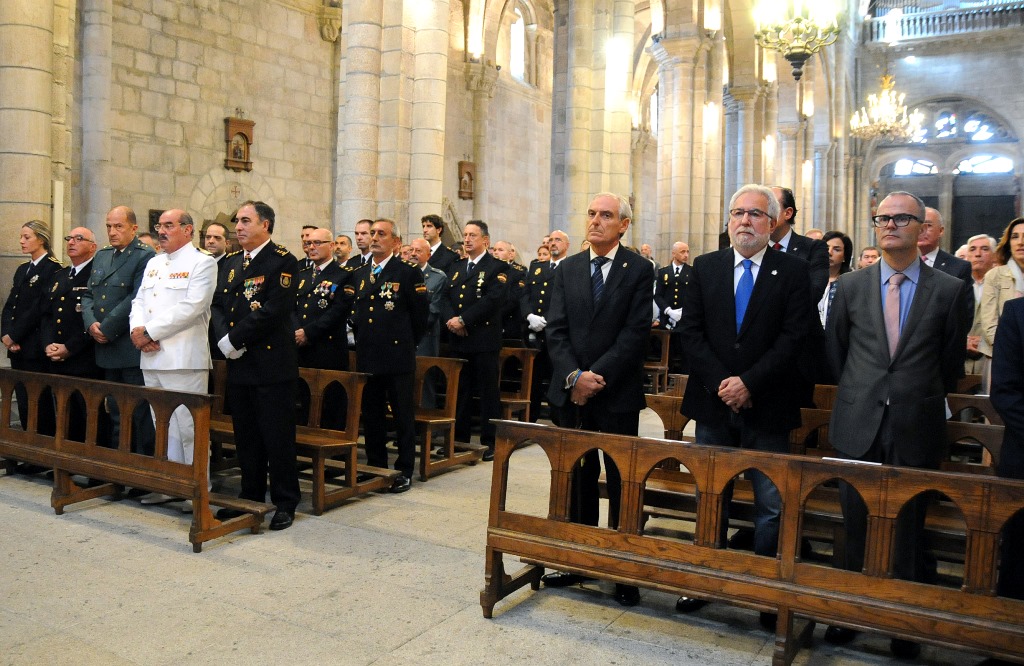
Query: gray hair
<point>625,210</point>
<point>773,203</point>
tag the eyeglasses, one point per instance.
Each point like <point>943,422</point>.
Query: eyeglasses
<point>78,238</point>
<point>755,214</point>
<point>315,243</point>
<point>900,219</point>
<point>166,226</point>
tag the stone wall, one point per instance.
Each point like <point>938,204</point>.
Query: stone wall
<point>178,69</point>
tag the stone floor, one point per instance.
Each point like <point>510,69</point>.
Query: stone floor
<point>383,579</point>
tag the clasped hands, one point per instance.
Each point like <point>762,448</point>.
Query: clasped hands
<point>457,327</point>
<point>587,385</point>
<point>734,393</point>
<point>142,341</point>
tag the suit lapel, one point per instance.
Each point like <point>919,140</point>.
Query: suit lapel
<point>615,273</point>
<point>767,276</point>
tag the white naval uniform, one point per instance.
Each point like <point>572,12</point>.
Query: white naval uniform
<point>173,304</point>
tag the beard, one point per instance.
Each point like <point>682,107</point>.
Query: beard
<point>749,241</point>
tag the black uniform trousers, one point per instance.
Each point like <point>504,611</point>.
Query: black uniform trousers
<point>479,377</point>
<point>396,390</point>
<point>264,423</point>
<point>584,507</point>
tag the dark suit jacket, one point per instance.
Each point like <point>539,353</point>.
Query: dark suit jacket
<point>609,340</point>
<point>478,298</point>
<point>958,268</point>
<point>112,286</point>
<point>669,289</point>
<point>815,253</point>
<point>62,323</point>
<point>511,321</point>
<point>914,383</point>
<point>254,306</point>
<point>443,258</point>
<point>356,261</point>
<point>24,308</point>
<point>762,353</point>
<point>389,316</point>
<point>321,308</point>
<point>1008,386</point>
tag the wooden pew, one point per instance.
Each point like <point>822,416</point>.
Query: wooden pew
<point>516,401</point>
<point>656,367</point>
<point>971,617</point>
<point>442,419</point>
<point>118,466</point>
<point>321,446</point>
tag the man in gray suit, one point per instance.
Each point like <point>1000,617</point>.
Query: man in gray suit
<point>895,334</point>
<point>116,275</point>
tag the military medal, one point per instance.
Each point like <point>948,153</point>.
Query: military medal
<point>254,306</point>
<point>32,280</point>
<point>231,275</point>
<point>78,307</point>
<point>322,303</point>
<point>390,305</point>
<point>251,286</point>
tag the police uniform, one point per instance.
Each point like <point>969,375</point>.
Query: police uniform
<point>668,293</point>
<point>253,306</point>
<point>389,317</point>
<point>511,321</point>
<point>321,309</point>
<point>536,299</point>
<point>22,313</point>
<point>477,295</point>
<point>173,305</point>
<point>62,323</point>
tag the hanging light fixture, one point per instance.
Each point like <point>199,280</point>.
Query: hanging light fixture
<point>796,28</point>
<point>885,116</point>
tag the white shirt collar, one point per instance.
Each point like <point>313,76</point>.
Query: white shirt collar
<point>253,253</point>
<point>757,258</point>
<point>610,256</point>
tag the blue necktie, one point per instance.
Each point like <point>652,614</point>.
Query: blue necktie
<point>597,278</point>
<point>743,291</point>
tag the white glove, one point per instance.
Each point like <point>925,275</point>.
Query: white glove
<point>674,314</point>
<point>536,322</point>
<point>229,351</point>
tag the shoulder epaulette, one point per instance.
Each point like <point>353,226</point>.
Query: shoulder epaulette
<point>107,247</point>
<point>280,249</point>
<point>410,263</point>
<point>205,251</point>
<point>231,254</point>
<point>346,267</point>
<point>54,259</point>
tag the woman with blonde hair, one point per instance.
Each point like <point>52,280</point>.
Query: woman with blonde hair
<point>1004,282</point>
<point>19,328</point>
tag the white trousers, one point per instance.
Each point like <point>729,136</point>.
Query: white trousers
<point>181,432</point>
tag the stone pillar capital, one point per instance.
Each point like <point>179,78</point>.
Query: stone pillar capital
<point>671,51</point>
<point>744,96</point>
<point>789,131</point>
<point>329,20</point>
<point>481,78</point>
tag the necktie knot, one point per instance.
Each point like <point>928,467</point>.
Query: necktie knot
<point>777,246</point>
<point>599,261</point>
<point>896,279</point>
<point>245,260</point>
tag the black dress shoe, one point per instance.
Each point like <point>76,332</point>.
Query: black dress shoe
<point>839,635</point>
<point>689,604</point>
<point>282,520</point>
<point>563,579</point>
<point>228,514</point>
<point>488,455</point>
<point>401,484</point>
<point>901,648</point>
<point>363,477</point>
<point>627,595</point>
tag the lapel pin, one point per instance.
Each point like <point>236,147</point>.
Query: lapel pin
<point>775,272</point>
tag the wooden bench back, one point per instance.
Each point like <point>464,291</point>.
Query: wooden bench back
<point>116,464</point>
<point>450,368</point>
<point>971,616</point>
<point>318,381</point>
<point>525,358</point>
<point>967,407</point>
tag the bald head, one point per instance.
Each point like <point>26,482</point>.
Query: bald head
<point>558,244</point>
<point>420,251</point>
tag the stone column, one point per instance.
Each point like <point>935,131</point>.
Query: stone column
<point>746,103</point>
<point>618,119</point>
<point>480,80</point>
<point>771,125</point>
<point>730,151</point>
<point>356,188</point>
<point>713,146</point>
<point>97,36</point>
<point>643,222</point>
<point>426,177</point>
<point>26,113</point>
<point>946,208</point>
<point>788,171</point>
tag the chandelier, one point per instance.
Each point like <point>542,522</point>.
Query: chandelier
<point>796,28</point>
<point>885,116</point>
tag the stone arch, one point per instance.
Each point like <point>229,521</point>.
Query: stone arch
<point>216,192</point>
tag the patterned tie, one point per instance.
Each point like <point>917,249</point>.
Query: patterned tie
<point>743,291</point>
<point>245,260</point>
<point>597,278</point>
<point>891,310</point>
<point>316,273</point>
